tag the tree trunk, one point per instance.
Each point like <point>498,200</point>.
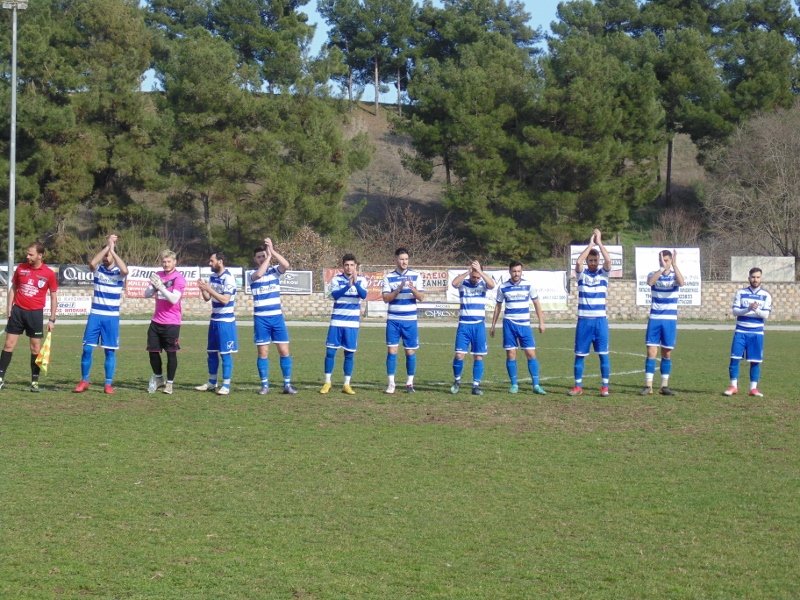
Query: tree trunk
<point>377,86</point>
<point>668,187</point>
<point>399,105</point>
<point>205,200</point>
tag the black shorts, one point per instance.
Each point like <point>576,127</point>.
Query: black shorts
<point>30,322</point>
<point>163,337</point>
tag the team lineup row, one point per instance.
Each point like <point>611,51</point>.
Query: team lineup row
<point>402,290</point>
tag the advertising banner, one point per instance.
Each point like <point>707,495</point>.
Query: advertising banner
<point>374,282</point>
<point>70,306</point>
<point>139,278</point>
<point>292,282</point>
<point>75,275</point>
<point>688,261</point>
<point>550,286</point>
<point>615,252</point>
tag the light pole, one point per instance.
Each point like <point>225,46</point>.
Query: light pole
<point>14,6</point>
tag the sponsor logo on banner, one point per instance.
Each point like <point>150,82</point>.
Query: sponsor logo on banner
<point>78,275</point>
<point>70,306</point>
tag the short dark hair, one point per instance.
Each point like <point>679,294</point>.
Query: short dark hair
<point>348,257</point>
<point>39,247</point>
<point>514,263</point>
<point>400,251</point>
<point>755,270</point>
<point>258,249</point>
<point>220,255</point>
<point>594,252</point>
<point>666,253</point>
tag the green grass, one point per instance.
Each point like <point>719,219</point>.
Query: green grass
<point>409,496</point>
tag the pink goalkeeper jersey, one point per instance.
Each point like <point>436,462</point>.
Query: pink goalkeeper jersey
<point>167,313</point>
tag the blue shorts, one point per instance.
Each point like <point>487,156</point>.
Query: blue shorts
<point>516,336</point>
<point>661,332</point>
<point>471,336</point>
<point>591,331</point>
<point>749,346</point>
<point>342,337</point>
<point>402,330</point>
<point>222,337</point>
<point>103,331</point>
<point>270,330</point>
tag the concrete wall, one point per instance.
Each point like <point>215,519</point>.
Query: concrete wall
<point>716,303</point>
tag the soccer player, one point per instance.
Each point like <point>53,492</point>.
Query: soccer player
<point>402,289</point>
<point>27,296</point>
<point>348,289</point>
<point>592,328</point>
<point>102,327</point>
<point>167,287</point>
<point>269,324</point>
<point>220,289</point>
<point>517,294</point>
<point>472,286</point>
<point>662,326</point>
<point>751,307</point>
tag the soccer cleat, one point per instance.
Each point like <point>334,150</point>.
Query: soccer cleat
<point>410,389</point>
<point>390,388</point>
<point>206,387</point>
<point>537,389</point>
<point>224,391</point>
<point>264,390</point>
<point>455,387</point>
<point>477,391</point>
<point>326,387</point>
<point>665,391</point>
<point>646,391</point>
<point>168,387</point>
<point>604,391</point>
<point>576,391</point>
<point>513,389</point>
<point>289,389</point>
<point>731,391</point>
<point>346,389</point>
<point>34,387</point>
<point>82,386</point>
<point>755,392</point>
<point>156,381</point>
<point>108,389</point>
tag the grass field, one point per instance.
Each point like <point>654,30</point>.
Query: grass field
<point>408,496</point>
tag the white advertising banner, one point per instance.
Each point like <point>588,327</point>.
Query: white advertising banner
<point>615,252</point>
<point>688,261</point>
<point>139,278</point>
<point>550,285</point>
<point>70,306</point>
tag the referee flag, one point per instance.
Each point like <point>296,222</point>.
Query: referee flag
<point>43,358</point>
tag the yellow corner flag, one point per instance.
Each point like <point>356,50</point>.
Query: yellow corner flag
<point>43,358</point>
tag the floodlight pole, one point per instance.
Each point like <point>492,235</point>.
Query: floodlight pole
<point>13,5</point>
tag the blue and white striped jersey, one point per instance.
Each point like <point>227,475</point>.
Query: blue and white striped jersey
<point>592,293</point>
<point>517,297</point>
<point>473,302</point>
<point>223,283</point>
<point>751,322</point>
<point>664,297</point>
<point>347,300</point>
<point>267,293</point>
<point>108,286</point>
<point>404,307</point>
